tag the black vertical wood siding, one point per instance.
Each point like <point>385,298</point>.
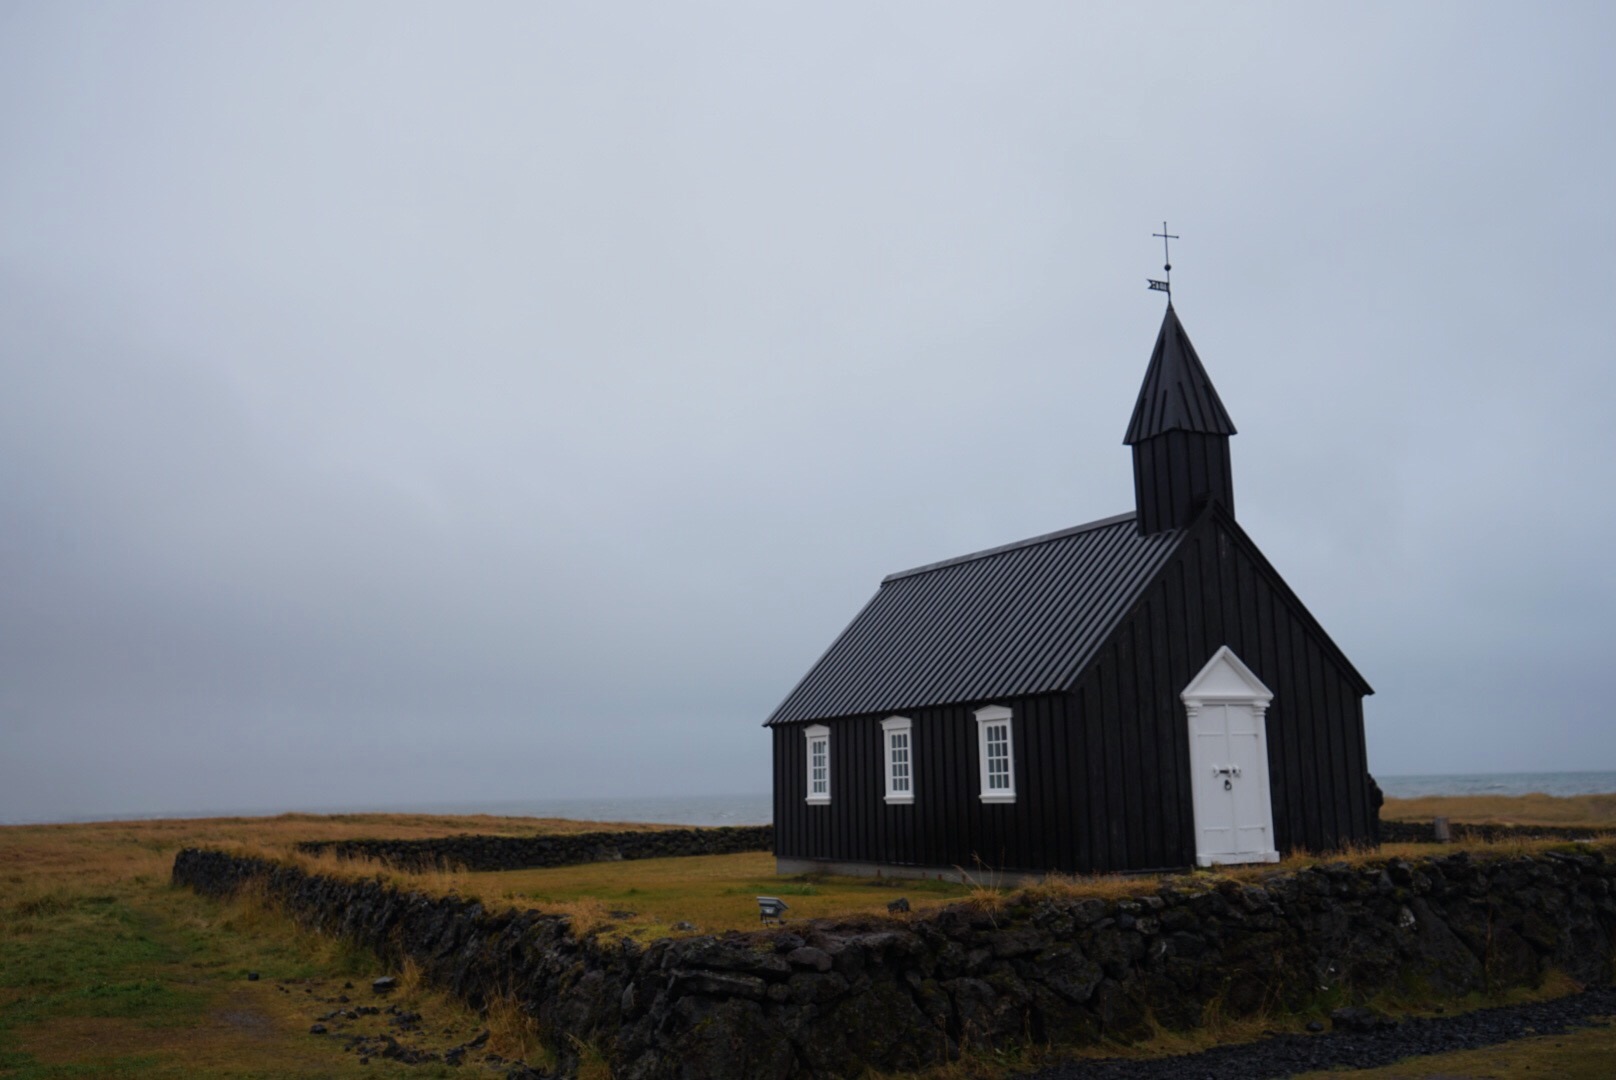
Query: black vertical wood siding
<point>1217,591</point>
<point>1178,472</point>
<point>947,825</point>
<point>1102,772</point>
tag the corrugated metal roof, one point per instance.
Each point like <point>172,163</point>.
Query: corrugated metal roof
<point>1177,394</point>
<point>1018,619</point>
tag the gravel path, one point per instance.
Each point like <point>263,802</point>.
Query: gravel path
<point>1287,1055</point>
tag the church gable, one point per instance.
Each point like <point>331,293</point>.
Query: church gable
<point>1128,711</point>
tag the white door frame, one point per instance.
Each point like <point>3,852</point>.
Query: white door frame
<point>1227,681</point>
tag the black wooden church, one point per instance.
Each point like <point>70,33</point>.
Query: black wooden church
<point>1140,692</point>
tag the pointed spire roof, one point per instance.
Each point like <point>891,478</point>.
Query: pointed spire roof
<point>1177,394</point>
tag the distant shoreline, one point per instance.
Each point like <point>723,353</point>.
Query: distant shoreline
<point>726,809</point>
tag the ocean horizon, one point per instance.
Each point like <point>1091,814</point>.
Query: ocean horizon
<point>756,808</point>
<point>1560,784</point>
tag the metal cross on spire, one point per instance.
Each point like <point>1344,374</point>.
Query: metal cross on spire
<point>1167,264</point>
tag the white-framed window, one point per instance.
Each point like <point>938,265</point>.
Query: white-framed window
<point>897,732</point>
<point>818,737</point>
<point>998,754</point>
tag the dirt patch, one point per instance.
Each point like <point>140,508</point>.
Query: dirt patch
<point>246,1024</point>
<point>69,1040</point>
<point>244,1016</point>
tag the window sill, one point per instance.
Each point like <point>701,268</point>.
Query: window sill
<point>999,797</point>
<point>818,800</point>
<point>900,800</point>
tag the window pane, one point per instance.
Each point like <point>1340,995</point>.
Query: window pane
<point>998,756</point>
<point>898,762</point>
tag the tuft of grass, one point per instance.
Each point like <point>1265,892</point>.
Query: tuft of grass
<point>592,1064</point>
<point>988,899</point>
<point>586,915</point>
<point>410,981</point>
<point>513,1034</point>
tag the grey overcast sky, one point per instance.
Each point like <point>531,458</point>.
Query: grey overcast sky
<point>425,403</point>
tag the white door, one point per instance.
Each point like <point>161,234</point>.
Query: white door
<point>1227,708</point>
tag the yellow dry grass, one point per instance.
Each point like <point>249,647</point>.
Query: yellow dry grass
<point>1592,811</point>
<point>514,1034</point>
<point>118,850</point>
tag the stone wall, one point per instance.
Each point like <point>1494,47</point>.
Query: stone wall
<point>524,852</point>
<point>824,999</point>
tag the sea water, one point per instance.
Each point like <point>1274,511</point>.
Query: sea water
<point>743,809</point>
<point>1546,783</point>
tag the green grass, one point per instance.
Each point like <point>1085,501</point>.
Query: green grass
<point>108,971</point>
<point>713,893</point>
<point>89,956</point>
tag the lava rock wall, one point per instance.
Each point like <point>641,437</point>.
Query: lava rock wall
<point>527,852</point>
<point>826,999</point>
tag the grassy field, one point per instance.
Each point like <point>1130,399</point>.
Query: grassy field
<point>108,971</point>
<point>712,893</point>
<point>1593,811</point>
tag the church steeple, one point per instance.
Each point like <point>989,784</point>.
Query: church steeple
<point>1179,434</point>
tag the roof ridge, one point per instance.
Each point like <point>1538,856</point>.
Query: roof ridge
<point>1012,546</point>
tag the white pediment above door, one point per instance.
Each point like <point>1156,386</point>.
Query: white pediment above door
<point>1226,678</point>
